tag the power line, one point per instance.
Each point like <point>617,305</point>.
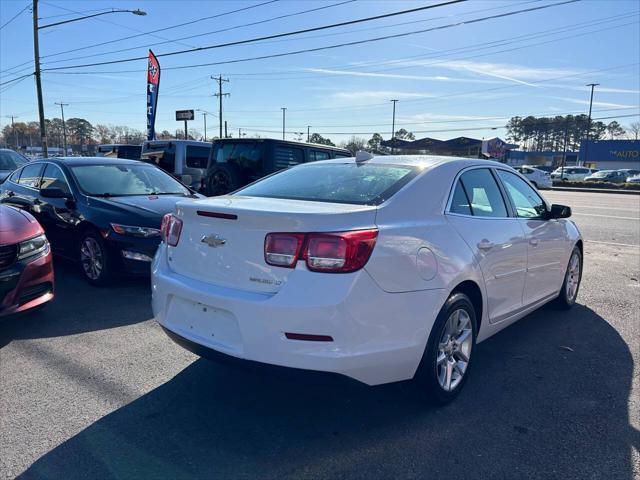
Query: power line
<point>15,16</point>
<point>358,42</point>
<point>278,35</point>
<point>191,22</point>
<point>324,7</point>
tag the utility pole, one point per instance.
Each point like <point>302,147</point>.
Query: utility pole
<point>586,145</point>
<point>564,147</point>
<point>220,81</point>
<point>13,130</point>
<point>204,114</point>
<point>36,57</point>
<point>308,130</point>
<point>64,126</point>
<point>225,129</point>
<point>284,110</point>
<point>393,125</point>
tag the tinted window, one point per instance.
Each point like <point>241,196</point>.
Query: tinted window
<point>460,202</point>
<point>11,160</point>
<point>368,184</point>
<point>315,155</point>
<point>54,178</point>
<point>197,157</point>
<point>30,176</point>
<point>343,155</point>
<point>162,155</point>
<point>246,155</point>
<point>527,202</point>
<point>285,157</point>
<point>125,179</point>
<point>484,194</point>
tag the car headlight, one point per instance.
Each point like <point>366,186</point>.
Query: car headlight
<point>32,247</point>
<point>144,232</point>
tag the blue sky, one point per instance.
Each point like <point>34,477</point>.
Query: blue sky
<point>458,80</point>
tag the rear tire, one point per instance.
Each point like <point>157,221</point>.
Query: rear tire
<point>572,279</point>
<point>444,368</point>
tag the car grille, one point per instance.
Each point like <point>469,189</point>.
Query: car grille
<point>33,292</point>
<point>8,255</point>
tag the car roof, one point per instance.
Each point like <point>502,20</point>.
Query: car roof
<point>421,161</point>
<point>90,161</point>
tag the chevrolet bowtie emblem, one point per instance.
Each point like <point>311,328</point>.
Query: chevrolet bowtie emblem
<point>213,240</point>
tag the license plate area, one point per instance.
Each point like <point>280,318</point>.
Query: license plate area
<point>205,323</point>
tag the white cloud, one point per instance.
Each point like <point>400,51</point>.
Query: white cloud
<point>377,95</point>
<point>579,101</point>
<point>435,78</point>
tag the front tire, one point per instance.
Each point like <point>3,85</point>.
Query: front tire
<point>95,259</point>
<point>444,368</point>
<point>572,278</point>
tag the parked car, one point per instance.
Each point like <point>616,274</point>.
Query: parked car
<point>9,161</point>
<point>237,162</point>
<point>612,176</point>
<point>186,160</point>
<point>537,178</point>
<point>630,172</point>
<point>103,213</point>
<point>26,268</point>
<point>634,179</point>
<point>572,174</point>
<point>390,268</point>
<point>545,168</point>
<point>120,150</point>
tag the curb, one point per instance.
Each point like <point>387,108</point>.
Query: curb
<point>595,190</point>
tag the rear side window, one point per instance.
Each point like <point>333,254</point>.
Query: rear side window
<point>246,155</point>
<point>483,193</point>
<point>54,178</point>
<point>460,202</point>
<point>30,176</point>
<point>162,156</point>
<point>368,184</point>
<point>197,157</point>
<point>315,155</point>
<point>285,157</point>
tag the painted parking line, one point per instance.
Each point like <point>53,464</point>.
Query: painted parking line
<point>605,216</point>
<point>614,244</point>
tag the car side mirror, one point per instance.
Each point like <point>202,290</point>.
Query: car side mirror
<point>53,193</point>
<point>559,211</point>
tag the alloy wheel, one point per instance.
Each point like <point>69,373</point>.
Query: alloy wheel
<point>91,258</point>
<point>572,281</point>
<point>454,350</point>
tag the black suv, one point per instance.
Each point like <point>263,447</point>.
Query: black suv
<point>235,163</point>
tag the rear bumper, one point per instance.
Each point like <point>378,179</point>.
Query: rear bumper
<point>377,337</point>
<point>26,285</point>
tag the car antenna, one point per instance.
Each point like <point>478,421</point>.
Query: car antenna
<point>362,156</point>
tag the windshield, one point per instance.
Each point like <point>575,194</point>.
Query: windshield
<point>360,184</point>
<point>10,160</point>
<point>122,179</point>
<point>602,173</point>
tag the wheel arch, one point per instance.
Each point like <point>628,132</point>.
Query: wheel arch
<point>472,290</point>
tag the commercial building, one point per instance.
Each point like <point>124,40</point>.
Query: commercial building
<point>610,154</point>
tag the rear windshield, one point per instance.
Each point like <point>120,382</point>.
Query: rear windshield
<point>11,160</point>
<point>359,184</point>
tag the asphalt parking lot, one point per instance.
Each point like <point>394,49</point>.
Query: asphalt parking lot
<point>91,387</point>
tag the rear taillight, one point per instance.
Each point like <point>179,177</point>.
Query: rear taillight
<point>283,249</point>
<point>339,252</point>
<point>170,229</point>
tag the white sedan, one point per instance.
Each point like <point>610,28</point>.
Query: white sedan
<point>538,178</point>
<point>381,269</point>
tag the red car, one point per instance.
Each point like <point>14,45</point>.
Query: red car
<point>26,268</point>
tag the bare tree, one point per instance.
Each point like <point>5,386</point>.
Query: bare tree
<point>633,130</point>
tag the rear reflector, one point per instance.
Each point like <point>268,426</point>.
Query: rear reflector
<point>308,338</point>
<point>170,229</point>
<point>226,216</point>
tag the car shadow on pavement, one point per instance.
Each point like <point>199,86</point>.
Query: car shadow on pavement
<point>548,398</point>
<point>79,307</point>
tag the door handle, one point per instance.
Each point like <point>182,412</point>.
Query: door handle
<point>534,242</point>
<point>485,245</point>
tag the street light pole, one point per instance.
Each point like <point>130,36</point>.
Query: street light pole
<point>36,55</point>
<point>284,110</point>
<point>586,145</point>
<point>308,131</point>
<point>64,126</point>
